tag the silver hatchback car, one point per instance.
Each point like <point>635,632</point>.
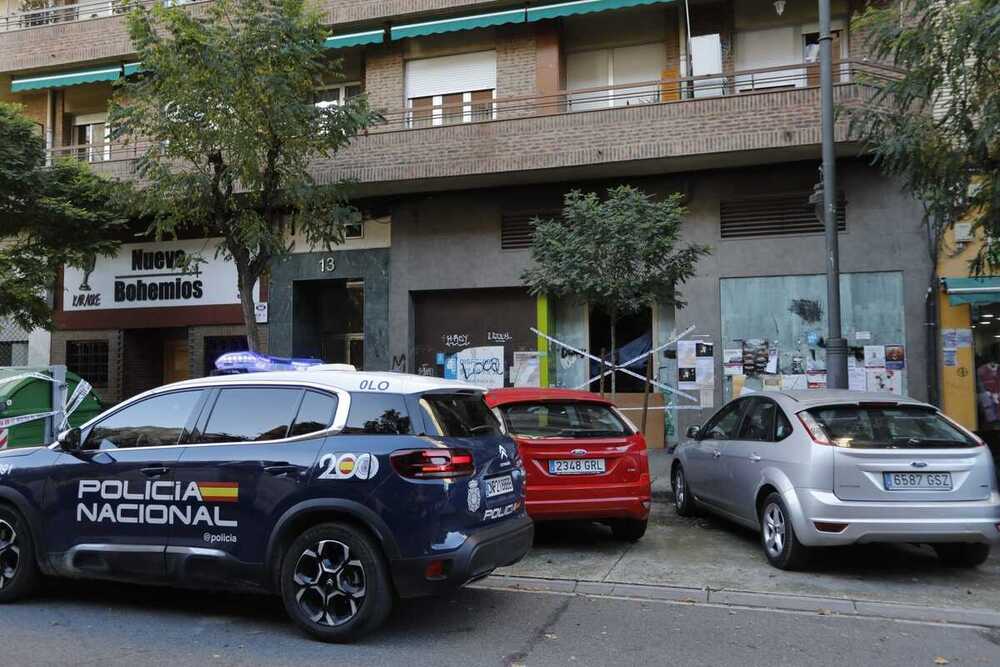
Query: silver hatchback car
<point>824,468</point>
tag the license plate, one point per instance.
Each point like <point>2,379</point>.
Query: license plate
<point>576,466</point>
<point>497,486</point>
<point>917,481</point>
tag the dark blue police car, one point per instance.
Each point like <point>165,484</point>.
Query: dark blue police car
<point>339,490</point>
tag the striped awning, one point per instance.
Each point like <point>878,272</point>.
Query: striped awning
<point>64,79</point>
<point>972,290</point>
<point>584,7</point>
<point>355,39</point>
<point>458,23</point>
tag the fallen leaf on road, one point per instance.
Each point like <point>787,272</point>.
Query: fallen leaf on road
<point>941,661</point>
<point>824,612</point>
<point>687,600</point>
<point>549,635</point>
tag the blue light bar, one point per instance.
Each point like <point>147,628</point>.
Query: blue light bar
<point>253,362</point>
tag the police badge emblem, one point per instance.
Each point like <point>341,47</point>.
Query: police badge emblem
<point>474,497</point>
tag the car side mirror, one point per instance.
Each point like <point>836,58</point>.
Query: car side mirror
<point>69,440</point>
<point>693,432</point>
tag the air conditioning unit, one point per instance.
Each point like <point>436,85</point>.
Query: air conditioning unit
<point>963,232</point>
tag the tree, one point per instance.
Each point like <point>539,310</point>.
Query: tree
<point>50,216</point>
<point>224,107</point>
<point>937,126</point>
<point>621,254</point>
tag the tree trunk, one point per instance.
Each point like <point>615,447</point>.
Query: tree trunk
<point>614,356</point>
<point>645,392</point>
<point>245,284</point>
<point>600,377</point>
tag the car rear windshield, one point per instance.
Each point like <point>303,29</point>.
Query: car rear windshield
<point>564,420</point>
<point>889,427</point>
<point>462,416</point>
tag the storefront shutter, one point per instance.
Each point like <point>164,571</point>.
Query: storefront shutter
<point>451,74</point>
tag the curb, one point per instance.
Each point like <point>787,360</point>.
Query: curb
<point>779,601</point>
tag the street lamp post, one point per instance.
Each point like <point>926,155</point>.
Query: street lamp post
<point>836,345</point>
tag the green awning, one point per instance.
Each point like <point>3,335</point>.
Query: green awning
<point>459,23</point>
<point>972,290</point>
<point>584,7</point>
<point>355,39</point>
<point>63,79</point>
<point>132,68</point>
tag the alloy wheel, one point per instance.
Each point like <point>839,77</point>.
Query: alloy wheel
<point>10,553</point>
<point>331,585</point>
<point>678,488</point>
<point>774,530</point>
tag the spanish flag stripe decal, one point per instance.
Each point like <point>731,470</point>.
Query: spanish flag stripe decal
<point>220,492</point>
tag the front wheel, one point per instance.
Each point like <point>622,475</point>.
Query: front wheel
<point>777,535</point>
<point>628,530</point>
<point>335,584</point>
<point>962,555</point>
<point>18,569</point>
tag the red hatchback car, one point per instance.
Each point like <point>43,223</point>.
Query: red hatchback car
<point>584,459</point>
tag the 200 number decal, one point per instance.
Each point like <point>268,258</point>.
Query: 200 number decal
<point>347,466</point>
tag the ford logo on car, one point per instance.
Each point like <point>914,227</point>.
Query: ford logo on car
<point>578,452</point>
<point>919,464</point>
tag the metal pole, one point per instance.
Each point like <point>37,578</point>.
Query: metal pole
<point>836,346</point>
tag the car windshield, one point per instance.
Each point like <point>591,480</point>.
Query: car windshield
<point>460,416</point>
<point>888,427</point>
<point>563,420</point>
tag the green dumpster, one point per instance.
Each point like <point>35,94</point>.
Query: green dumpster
<point>32,395</point>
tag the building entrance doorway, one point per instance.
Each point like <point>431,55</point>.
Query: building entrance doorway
<point>328,321</point>
<point>633,337</point>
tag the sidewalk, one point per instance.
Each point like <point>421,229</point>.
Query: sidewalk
<point>706,559</point>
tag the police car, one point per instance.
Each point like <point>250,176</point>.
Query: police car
<point>338,490</point>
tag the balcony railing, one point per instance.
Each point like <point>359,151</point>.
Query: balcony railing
<point>691,90</point>
<point>35,17</point>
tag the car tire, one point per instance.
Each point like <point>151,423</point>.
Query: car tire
<point>19,574</point>
<point>335,583</point>
<point>962,554</point>
<point>683,501</point>
<point>777,536</point>
<point>628,530</point>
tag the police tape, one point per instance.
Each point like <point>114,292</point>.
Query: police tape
<point>7,422</point>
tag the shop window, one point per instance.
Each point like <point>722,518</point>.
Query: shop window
<point>14,353</point>
<point>775,215</point>
<point>450,89</point>
<point>89,360</point>
<point>774,332</point>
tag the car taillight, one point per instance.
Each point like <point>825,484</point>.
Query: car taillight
<point>433,463</point>
<point>815,429</point>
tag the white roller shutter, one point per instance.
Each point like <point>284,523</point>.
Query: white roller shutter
<point>451,74</point>
<point>774,47</point>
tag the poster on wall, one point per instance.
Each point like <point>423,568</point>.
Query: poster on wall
<point>895,357</point>
<point>857,379</point>
<point>482,366</point>
<point>154,274</point>
<point>885,380</point>
<point>794,382</point>
<point>874,356</point>
<point>816,379</point>
<point>686,353</point>
<point>525,371</point>
<point>755,357</point>
<point>771,383</point>
<point>687,378</point>
<point>732,361</point>
<point>704,365</point>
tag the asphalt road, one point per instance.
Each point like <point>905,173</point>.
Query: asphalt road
<point>86,623</point>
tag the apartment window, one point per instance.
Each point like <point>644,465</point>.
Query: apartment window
<point>338,94</point>
<point>451,89</point>
<point>89,360</point>
<point>91,137</point>
<point>354,230</point>
<point>611,76</point>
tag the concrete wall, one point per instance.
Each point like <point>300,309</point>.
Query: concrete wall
<point>370,265</point>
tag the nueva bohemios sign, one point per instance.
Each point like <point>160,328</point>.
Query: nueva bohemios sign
<point>153,275</point>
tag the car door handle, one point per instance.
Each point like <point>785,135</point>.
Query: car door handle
<point>716,454</point>
<point>155,471</point>
<point>754,458</point>
<point>280,470</point>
